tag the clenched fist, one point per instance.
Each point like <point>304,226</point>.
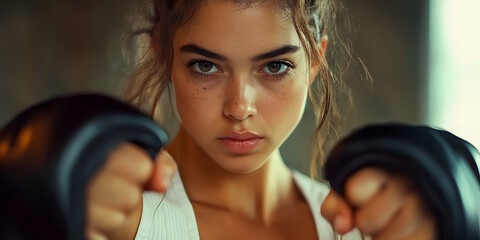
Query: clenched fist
<point>114,195</point>
<point>381,205</point>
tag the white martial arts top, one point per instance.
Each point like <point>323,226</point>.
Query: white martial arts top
<point>171,216</point>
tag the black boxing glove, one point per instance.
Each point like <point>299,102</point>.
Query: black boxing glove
<point>442,166</point>
<point>49,153</point>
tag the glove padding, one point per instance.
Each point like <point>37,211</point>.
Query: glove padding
<point>49,153</point>
<point>442,166</point>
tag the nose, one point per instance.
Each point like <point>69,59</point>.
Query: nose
<point>240,95</point>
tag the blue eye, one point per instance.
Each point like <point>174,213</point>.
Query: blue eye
<point>276,67</point>
<point>204,67</point>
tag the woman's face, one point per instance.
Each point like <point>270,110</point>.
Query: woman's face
<point>241,81</point>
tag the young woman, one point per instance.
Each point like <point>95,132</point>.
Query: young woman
<point>241,73</point>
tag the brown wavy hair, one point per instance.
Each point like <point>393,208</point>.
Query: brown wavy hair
<point>312,19</point>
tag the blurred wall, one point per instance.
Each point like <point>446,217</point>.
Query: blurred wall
<point>392,39</point>
<point>56,47</point>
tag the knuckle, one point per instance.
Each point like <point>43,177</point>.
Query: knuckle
<point>362,186</point>
<point>132,197</point>
<point>128,150</point>
<point>164,158</point>
<point>351,190</point>
<point>100,186</point>
<point>117,219</point>
<point>166,163</point>
<point>105,219</point>
<point>130,162</point>
<point>144,167</point>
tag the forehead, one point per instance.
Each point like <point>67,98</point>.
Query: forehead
<point>225,25</point>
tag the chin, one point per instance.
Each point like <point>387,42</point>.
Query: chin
<point>241,164</point>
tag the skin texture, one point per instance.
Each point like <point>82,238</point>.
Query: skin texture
<point>248,193</point>
<point>381,205</point>
<point>251,194</point>
<point>240,96</point>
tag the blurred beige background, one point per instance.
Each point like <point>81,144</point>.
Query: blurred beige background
<point>56,47</point>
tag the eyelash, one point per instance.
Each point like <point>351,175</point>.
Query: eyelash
<point>287,72</point>
<point>283,74</point>
<point>197,74</point>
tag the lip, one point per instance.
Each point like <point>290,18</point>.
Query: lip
<point>241,142</point>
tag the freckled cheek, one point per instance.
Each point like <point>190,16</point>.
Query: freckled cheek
<point>188,96</point>
<point>286,105</point>
<point>195,106</point>
<point>189,101</point>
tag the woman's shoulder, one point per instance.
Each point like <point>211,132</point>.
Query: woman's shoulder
<point>311,187</point>
<point>314,193</point>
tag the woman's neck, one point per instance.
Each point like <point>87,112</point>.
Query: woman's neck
<point>255,195</point>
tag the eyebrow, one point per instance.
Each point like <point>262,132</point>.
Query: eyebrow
<point>192,48</point>
<point>276,52</point>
